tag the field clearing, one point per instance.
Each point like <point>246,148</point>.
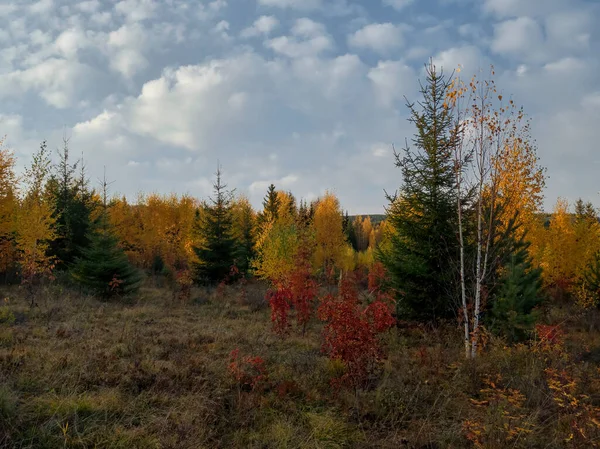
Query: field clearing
<point>153,373</point>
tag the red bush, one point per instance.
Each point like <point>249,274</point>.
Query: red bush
<point>377,277</point>
<point>350,334</point>
<point>298,290</point>
<point>247,371</point>
<point>280,300</point>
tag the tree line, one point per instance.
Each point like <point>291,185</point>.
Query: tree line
<point>464,235</point>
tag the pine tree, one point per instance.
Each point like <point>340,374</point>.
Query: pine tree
<point>270,203</point>
<point>244,231</point>
<point>349,232</point>
<point>423,251</point>
<point>585,212</point>
<point>72,205</point>
<point>511,313</point>
<point>103,266</point>
<point>217,252</point>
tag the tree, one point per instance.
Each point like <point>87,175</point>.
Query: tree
<point>8,206</point>
<point>511,314</point>
<point>585,212</point>
<point>72,207</point>
<point>244,224</point>
<point>217,252</point>
<point>35,224</point>
<point>423,248</point>
<point>103,266</point>
<point>504,192</point>
<point>329,234</point>
<point>271,204</point>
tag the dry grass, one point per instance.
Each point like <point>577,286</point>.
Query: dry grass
<point>152,373</point>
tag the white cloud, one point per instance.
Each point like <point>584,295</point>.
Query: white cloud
<point>521,37</point>
<point>88,6</point>
<point>391,81</point>
<point>303,5</point>
<point>468,57</point>
<point>137,10</point>
<point>58,81</point>
<point>379,37</point>
<point>263,26</point>
<point>308,38</point>
<point>42,7</point>
<point>398,4</point>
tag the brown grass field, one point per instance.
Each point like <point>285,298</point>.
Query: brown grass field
<point>152,372</point>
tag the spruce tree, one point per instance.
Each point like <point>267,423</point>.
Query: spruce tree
<point>72,204</point>
<point>511,313</point>
<point>217,252</point>
<point>103,266</point>
<point>270,205</point>
<point>244,233</point>
<point>422,256</point>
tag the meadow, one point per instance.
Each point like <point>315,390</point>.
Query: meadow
<point>156,372</point>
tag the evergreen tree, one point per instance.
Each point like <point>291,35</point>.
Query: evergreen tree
<point>585,212</point>
<point>349,231</point>
<point>422,255</point>
<point>72,206</point>
<point>591,278</point>
<point>303,215</point>
<point>103,266</point>
<point>511,313</point>
<point>270,205</point>
<point>244,232</point>
<point>217,252</point>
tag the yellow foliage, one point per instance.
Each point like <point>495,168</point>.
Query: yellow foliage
<point>277,251</point>
<point>7,206</point>
<point>158,225</point>
<point>329,233</point>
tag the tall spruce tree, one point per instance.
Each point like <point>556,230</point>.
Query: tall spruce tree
<point>103,266</point>
<point>72,206</point>
<point>270,205</point>
<point>423,252</point>
<point>219,248</point>
<point>511,313</point>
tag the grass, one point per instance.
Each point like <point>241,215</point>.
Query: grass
<point>153,373</point>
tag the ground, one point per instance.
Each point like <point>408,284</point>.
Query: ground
<point>153,372</point>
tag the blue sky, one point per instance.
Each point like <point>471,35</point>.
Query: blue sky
<point>307,94</point>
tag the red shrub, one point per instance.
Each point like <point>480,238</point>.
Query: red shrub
<point>247,371</point>
<point>298,290</point>
<point>280,300</point>
<point>549,336</point>
<point>350,334</point>
<point>377,277</point>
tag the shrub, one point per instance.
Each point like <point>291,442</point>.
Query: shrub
<point>350,333</point>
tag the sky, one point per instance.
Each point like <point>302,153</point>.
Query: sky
<point>306,94</point>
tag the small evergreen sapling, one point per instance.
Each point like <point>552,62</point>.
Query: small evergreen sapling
<point>103,266</point>
<point>512,313</point>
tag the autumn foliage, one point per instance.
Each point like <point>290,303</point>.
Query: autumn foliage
<point>350,333</point>
<point>247,371</point>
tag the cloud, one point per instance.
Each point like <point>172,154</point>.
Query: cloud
<point>308,38</point>
<point>302,5</point>
<point>398,5</point>
<point>520,37</point>
<point>391,81</point>
<point>379,37</point>
<point>59,81</point>
<point>158,90</point>
<point>468,57</point>
<point>263,26</point>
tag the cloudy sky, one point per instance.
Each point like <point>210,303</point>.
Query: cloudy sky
<point>307,94</point>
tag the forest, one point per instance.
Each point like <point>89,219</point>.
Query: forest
<point>467,316</point>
